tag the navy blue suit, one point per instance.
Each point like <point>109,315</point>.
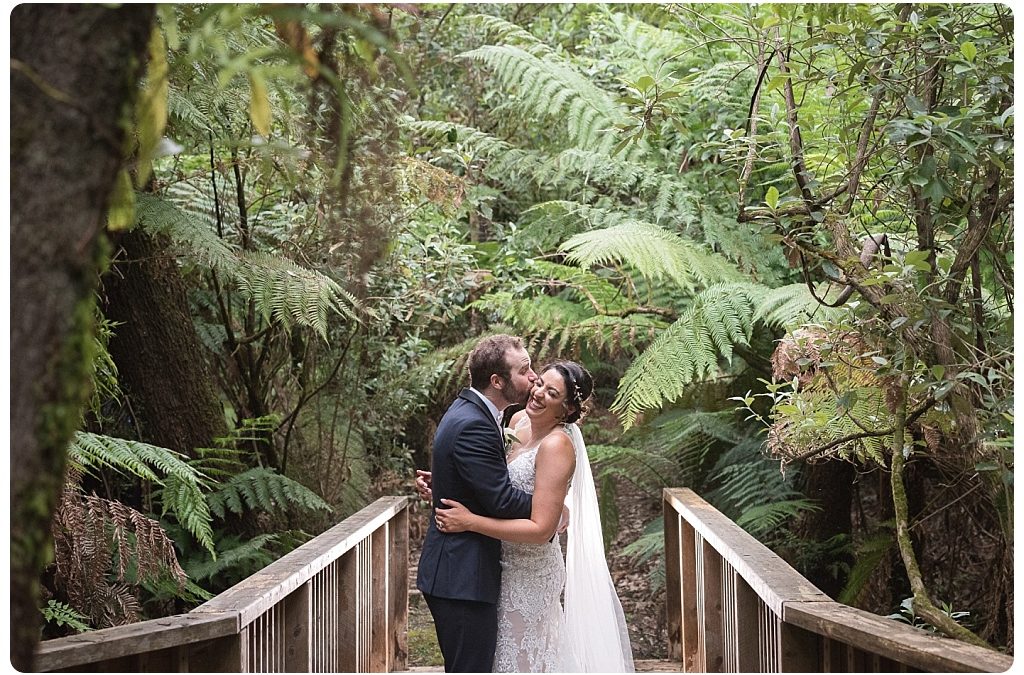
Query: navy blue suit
<point>460,574</point>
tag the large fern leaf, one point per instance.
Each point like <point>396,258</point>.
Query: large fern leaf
<point>551,88</point>
<point>653,251</point>
<point>262,489</point>
<point>293,294</point>
<point>688,350</point>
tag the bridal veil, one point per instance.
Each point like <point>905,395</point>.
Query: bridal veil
<point>595,626</point>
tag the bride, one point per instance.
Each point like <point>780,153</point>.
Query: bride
<point>549,460</point>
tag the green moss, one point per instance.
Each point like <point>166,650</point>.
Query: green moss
<point>63,390</point>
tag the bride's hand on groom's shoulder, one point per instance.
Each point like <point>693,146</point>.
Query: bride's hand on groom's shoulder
<point>423,485</point>
<point>454,518</point>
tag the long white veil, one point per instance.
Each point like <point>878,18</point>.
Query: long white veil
<point>595,626</point>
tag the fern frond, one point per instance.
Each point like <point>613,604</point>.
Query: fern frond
<point>190,231</point>
<point>653,251</point>
<point>550,88</point>
<point>248,555</point>
<point>507,32</point>
<point>771,516</point>
<point>292,294</point>
<point>262,489</point>
<point>639,466</point>
<point>793,305</point>
<point>88,450</point>
<point>63,614</point>
<point>688,350</point>
<point>633,179</point>
<point>186,501</point>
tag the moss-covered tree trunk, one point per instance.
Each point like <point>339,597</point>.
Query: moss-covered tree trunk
<point>160,360</point>
<point>74,69</point>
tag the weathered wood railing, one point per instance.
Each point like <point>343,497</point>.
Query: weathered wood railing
<point>734,606</point>
<point>338,603</point>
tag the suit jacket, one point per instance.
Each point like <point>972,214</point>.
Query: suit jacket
<point>468,465</point>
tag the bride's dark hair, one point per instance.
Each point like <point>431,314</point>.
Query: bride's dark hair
<point>579,385</point>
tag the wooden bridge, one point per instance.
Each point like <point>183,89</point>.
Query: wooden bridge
<point>339,603</point>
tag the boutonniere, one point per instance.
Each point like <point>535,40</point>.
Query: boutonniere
<point>509,438</point>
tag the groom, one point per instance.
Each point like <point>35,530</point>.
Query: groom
<point>460,574</point>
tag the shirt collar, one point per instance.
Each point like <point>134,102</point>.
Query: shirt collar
<point>493,409</point>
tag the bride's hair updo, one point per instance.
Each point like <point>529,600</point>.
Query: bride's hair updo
<point>579,385</point>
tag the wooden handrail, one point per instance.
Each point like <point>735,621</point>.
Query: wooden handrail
<point>339,602</point>
<point>735,606</point>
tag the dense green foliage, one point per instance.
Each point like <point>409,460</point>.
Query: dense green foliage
<point>677,196</point>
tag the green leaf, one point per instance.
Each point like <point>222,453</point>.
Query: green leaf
<point>644,83</point>
<point>839,28</point>
<point>772,197</point>
<point>968,50</point>
<point>259,104</point>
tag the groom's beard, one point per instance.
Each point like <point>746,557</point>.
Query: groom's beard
<point>518,397</point>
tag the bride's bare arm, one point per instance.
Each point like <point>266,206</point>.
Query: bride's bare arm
<point>556,461</point>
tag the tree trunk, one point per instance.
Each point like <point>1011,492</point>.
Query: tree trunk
<point>830,485</point>
<point>74,69</point>
<point>160,362</point>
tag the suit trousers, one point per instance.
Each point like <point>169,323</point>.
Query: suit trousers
<point>467,632</point>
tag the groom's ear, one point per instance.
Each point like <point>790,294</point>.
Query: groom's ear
<point>497,381</point>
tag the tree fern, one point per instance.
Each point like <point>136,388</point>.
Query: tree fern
<point>235,555</point>
<point>763,518</point>
<point>262,489</point>
<point>186,501</point>
<point>551,88</point>
<point>293,294</point>
<point>281,289</point>
<point>500,30</point>
<point>665,193</point>
<point>652,251</point>
<point>191,232</point>
<point>688,350</point>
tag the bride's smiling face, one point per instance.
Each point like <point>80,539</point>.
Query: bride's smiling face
<point>547,398</point>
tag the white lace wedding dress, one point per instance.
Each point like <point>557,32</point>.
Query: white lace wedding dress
<point>534,633</point>
<point>530,618</point>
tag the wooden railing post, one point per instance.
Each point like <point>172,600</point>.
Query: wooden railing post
<point>348,604</point>
<point>398,592</point>
<point>224,655</point>
<point>298,637</point>
<point>380,643</point>
<point>799,650</point>
<point>710,594</point>
<point>746,625</point>
<point>688,590</point>
<point>673,577</point>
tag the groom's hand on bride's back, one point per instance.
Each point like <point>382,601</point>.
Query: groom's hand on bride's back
<point>423,483</point>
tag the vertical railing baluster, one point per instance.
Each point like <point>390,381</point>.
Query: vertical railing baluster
<point>728,595</point>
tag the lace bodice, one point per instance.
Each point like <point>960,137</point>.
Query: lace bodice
<point>530,615</point>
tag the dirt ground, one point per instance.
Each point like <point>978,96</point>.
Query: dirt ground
<point>644,608</point>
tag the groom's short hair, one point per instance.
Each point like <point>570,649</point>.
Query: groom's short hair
<point>490,357</point>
